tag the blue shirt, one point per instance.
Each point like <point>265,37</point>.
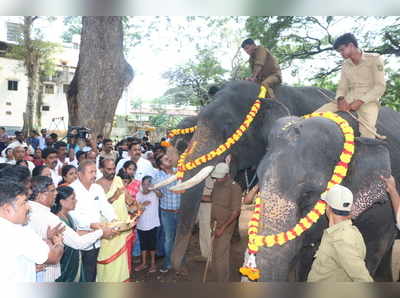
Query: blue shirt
<point>169,200</point>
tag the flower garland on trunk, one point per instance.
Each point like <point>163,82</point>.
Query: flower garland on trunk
<point>339,173</point>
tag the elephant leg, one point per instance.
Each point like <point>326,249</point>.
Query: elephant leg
<point>384,271</point>
<point>301,264</point>
<point>379,232</point>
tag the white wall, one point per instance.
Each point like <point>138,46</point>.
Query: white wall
<point>11,69</point>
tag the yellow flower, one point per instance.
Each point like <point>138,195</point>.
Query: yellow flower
<point>298,230</point>
<point>281,238</point>
<point>269,240</point>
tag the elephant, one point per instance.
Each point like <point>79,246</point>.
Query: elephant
<point>218,120</point>
<point>294,172</point>
<point>246,178</point>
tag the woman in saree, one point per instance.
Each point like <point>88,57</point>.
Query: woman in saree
<point>71,263</point>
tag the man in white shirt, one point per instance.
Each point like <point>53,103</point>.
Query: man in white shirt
<point>144,167</point>
<point>19,154</point>
<point>91,206</point>
<point>62,159</point>
<point>42,199</point>
<point>23,248</point>
<point>50,159</point>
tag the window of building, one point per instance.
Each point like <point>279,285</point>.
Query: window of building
<point>49,88</point>
<point>12,85</point>
<point>65,88</point>
<point>14,31</point>
<point>8,113</point>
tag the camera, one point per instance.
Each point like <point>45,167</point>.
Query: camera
<point>78,132</point>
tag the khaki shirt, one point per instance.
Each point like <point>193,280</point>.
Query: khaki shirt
<point>262,58</point>
<point>364,81</point>
<point>226,198</point>
<point>340,257</point>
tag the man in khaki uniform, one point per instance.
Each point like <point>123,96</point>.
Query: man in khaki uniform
<point>341,254</point>
<point>225,210</point>
<point>264,67</point>
<point>362,83</point>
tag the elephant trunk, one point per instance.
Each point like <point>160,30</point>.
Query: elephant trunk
<point>202,143</point>
<point>279,214</point>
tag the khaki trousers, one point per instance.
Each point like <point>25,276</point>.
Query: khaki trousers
<point>204,217</point>
<point>270,82</point>
<point>221,254</point>
<point>368,112</point>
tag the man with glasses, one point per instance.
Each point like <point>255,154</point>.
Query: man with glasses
<point>46,224</point>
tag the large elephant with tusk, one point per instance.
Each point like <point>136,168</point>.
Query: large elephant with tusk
<point>296,169</point>
<point>217,121</point>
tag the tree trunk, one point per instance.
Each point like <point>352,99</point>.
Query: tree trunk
<point>101,75</point>
<point>32,71</point>
<point>39,103</point>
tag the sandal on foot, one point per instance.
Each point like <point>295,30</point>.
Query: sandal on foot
<point>153,269</point>
<point>140,268</point>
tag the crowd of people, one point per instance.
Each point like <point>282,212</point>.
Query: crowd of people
<point>86,208</point>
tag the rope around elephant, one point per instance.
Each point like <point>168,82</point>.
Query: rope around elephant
<point>339,173</point>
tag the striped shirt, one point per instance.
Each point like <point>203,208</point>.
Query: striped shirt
<point>40,219</point>
<point>169,200</point>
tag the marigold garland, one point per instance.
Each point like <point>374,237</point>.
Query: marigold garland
<point>221,149</point>
<point>182,131</point>
<point>339,173</point>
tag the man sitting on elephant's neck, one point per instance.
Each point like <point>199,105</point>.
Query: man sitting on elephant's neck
<point>264,66</point>
<point>362,83</point>
<point>226,200</point>
<point>341,254</point>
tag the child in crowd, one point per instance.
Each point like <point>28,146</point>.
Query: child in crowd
<point>148,223</point>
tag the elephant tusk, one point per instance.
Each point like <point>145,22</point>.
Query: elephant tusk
<point>199,177</point>
<point>165,182</point>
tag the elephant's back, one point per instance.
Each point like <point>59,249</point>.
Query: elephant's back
<point>388,124</point>
<point>302,100</point>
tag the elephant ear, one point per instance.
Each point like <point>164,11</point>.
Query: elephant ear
<point>371,160</point>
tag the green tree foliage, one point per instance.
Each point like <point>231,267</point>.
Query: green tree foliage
<point>73,25</point>
<point>391,97</point>
<point>295,39</point>
<point>197,76</point>
<point>165,121</point>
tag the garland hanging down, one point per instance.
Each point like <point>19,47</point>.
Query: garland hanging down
<point>182,131</point>
<point>339,173</point>
<point>221,149</point>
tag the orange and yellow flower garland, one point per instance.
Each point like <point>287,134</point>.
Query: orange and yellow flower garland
<point>182,166</point>
<point>182,131</point>
<point>339,173</point>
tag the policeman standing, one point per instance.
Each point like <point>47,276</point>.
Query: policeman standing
<point>362,83</point>
<point>226,200</point>
<point>341,254</point>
